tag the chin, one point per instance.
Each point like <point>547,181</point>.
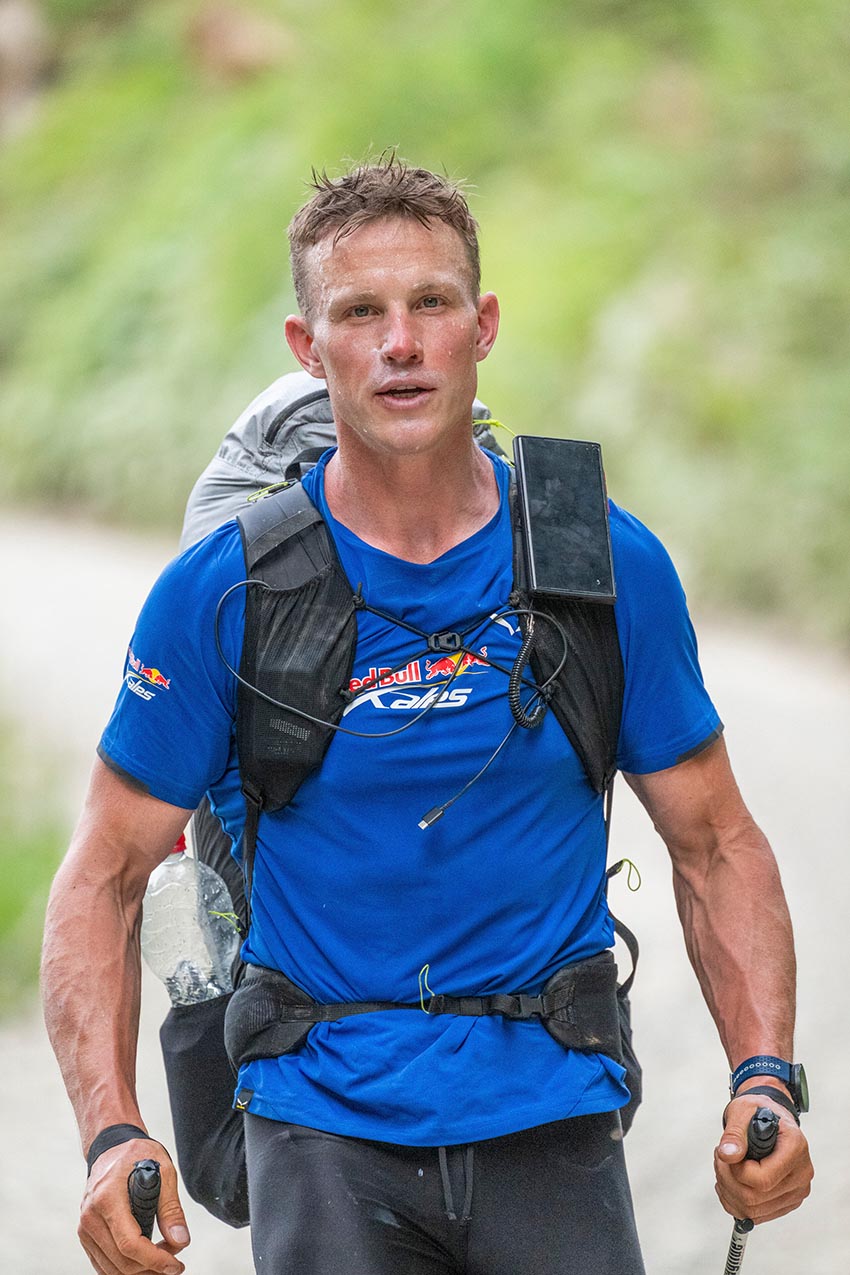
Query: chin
<point>413,437</point>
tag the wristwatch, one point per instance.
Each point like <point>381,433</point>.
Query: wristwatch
<point>792,1075</point>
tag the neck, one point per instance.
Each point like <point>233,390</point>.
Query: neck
<point>415,507</point>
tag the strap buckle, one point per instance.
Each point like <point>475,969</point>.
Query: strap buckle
<point>447,643</point>
<point>521,1005</point>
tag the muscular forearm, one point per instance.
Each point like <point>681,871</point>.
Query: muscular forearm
<point>738,935</point>
<point>91,989</point>
<point>91,962</point>
<point>730,901</point>
<point>739,939</point>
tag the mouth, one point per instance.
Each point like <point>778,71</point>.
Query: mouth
<point>404,395</point>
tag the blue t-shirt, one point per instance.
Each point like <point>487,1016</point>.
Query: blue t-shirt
<point>352,899</point>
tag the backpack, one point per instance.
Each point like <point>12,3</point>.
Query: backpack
<point>279,435</point>
<point>283,432</point>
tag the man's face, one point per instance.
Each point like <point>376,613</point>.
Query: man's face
<point>396,332</point>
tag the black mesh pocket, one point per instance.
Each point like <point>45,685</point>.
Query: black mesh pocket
<point>298,649</point>
<point>209,1134</point>
<point>267,1016</point>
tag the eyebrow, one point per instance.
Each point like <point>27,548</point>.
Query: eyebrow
<point>437,285</point>
<point>352,296</point>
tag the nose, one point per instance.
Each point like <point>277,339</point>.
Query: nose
<point>401,342</point>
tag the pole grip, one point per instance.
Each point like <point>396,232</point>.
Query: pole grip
<point>143,1187</point>
<point>762,1133</point>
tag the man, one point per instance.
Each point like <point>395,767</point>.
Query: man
<point>396,1141</point>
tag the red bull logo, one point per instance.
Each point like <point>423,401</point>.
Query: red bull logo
<point>454,665</point>
<point>405,689</point>
<point>384,677</point>
<point>152,675</point>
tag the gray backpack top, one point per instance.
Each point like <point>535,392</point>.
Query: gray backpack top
<point>278,436</point>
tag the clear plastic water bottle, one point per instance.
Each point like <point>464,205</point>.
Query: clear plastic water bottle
<point>190,933</point>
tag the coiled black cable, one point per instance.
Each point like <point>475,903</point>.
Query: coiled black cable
<point>527,720</point>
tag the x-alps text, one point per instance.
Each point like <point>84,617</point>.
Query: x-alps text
<point>381,686</point>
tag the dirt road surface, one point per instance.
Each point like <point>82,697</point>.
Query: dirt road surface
<point>71,600</point>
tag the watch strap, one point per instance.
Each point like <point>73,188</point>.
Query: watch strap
<point>760,1065</point>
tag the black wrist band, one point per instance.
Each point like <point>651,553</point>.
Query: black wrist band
<point>778,1095</point>
<point>112,1136</point>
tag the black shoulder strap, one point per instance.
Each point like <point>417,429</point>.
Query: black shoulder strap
<point>284,538</point>
<point>587,695</point>
<point>298,650</point>
<point>298,647</point>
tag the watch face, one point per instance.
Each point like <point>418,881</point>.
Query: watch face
<point>800,1086</point>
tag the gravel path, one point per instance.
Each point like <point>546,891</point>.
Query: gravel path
<point>787,711</point>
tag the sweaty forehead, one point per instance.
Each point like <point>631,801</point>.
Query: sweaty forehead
<point>397,252</point>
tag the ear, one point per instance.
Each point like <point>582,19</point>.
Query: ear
<point>488,324</point>
<point>299,338</point>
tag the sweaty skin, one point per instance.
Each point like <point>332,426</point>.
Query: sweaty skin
<point>394,328</point>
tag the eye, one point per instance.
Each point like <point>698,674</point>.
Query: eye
<point>360,311</point>
<point>431,303</point>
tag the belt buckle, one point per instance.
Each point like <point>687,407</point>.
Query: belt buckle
<point>523,1006</point>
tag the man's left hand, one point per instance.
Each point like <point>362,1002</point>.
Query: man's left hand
<point>761,1189</point>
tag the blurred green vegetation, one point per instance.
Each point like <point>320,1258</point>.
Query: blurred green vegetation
<point>32,842</point>
<point>663,192</point>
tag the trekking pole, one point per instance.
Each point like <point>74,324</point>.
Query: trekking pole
<point>143,1186</point>
<point>761,1139</point>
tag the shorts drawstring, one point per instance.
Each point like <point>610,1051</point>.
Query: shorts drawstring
<point>448,1197</point>
<point>447,1186</point>
<point>467,1172</point>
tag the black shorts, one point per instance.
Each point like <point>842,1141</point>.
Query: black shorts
<point>553,1200</point>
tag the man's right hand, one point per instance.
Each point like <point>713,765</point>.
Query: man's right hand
<point>108,1231</point>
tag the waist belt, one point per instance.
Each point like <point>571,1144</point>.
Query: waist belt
<point>268,1015</point>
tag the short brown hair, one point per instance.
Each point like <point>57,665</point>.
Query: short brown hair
<point>389,187</point>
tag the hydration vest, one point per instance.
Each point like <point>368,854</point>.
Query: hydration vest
<point>298,652</point>
<point>300,638</point>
